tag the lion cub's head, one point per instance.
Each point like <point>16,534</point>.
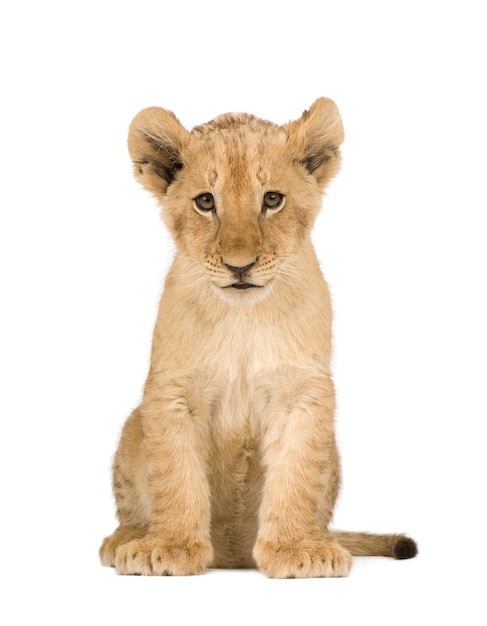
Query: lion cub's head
<point>238,194</point>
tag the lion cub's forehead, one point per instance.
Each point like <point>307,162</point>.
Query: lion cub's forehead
<point>232,145</point>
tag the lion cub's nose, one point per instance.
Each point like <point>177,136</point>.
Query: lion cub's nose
<point>240,271</point>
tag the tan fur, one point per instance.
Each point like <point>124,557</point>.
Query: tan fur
<point>230,460</point>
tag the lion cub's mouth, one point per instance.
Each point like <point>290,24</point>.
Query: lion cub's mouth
<point>242,284</point>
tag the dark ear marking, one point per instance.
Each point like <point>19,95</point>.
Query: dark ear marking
<point>314,160</point>
<point>166,162</point>
<point>167,173</point>
<point>141,170</point>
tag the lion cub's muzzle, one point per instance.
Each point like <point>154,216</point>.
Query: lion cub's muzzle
<point>242,281</point>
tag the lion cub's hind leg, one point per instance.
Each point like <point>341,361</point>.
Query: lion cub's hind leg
<point>132,510</point>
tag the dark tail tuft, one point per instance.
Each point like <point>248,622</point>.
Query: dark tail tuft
<point>404,548</point>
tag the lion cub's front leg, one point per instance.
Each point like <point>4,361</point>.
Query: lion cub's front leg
<point>177,541</point>
<point>301,482</point>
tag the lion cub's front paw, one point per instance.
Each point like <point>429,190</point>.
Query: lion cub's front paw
<point>151,557</point>
<point>110,544</point>
<point>317,559</point>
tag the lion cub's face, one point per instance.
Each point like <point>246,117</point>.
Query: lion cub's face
<point>239,194</point>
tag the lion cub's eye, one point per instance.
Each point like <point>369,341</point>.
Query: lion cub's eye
<point>273,200</point>
<point>205,202</point>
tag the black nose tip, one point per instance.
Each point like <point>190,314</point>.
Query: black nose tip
<point>239,270</point>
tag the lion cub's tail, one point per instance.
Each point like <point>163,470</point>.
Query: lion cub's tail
<point>368,544</point>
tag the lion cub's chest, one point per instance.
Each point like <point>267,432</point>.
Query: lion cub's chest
<point>243,366</point>
<point>234,407</point>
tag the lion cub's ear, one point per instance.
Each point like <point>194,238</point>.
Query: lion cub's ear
<point>315,139</point>
<point>155,141</point>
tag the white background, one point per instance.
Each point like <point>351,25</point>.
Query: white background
<point>402,243</point>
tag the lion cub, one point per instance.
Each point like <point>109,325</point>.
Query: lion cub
<point>230,460</point>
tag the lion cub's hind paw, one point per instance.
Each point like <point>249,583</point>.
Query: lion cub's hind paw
<point>321,559</point>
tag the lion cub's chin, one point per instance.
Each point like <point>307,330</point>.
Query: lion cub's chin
<point>242,297</point>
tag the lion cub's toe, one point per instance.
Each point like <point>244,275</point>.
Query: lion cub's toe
<point>319,559</point>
